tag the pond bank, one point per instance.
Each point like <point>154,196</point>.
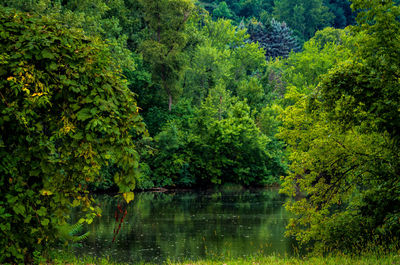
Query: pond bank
<point>368,259</point>
<point>168,189</point>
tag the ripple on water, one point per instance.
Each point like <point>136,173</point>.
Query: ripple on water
<point>189,225</point>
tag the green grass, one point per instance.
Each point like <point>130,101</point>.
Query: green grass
<point>337,259</point>
<point>333,260</point>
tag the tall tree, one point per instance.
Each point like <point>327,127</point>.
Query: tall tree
<point>166,21</point>
<point>343,136</point>
<point>223,57</point>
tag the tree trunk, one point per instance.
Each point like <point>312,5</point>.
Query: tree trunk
<point>169,102</point>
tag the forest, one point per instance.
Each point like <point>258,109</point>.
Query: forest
<point>118,96</point>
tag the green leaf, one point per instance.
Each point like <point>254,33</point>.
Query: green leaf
<point>83,114</point>
<point>77,136</point>
<point>19,209</point>
<point>53,66</point>
<point>47,54</point>
<point>45,222</point>
<point>42,211</point>
<point>27,219</point>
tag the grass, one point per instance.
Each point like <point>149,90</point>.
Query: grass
<point>337,259</point>
<point>332,260</point>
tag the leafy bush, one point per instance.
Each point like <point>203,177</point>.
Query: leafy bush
<point>216,143</point>
<point>65,113</point>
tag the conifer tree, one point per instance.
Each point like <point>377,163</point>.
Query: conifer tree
<point>275,38</point>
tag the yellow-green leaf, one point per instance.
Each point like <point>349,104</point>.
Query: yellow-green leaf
<point>46,192</point>
<point>128,196</point>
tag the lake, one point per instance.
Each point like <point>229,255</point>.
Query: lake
<point>190,225</point>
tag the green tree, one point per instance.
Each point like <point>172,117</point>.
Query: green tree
<point>238,9</point>
<point>169,166</point>
<point>275,38</point>
<point>222,11</point>
<point>342,136</point>
<point>222,57</point>
<point>304,70</point>
<point>227,146</point>
<point>65,113</point>
<point>250,8</point>
<point>342,11</point>
<point>341,180</point>
<point>216,143</point>
<point>370,79</point>
<point>305,17</point>
<point>166,21</point>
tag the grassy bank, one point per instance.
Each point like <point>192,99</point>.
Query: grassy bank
<point>369,259</point>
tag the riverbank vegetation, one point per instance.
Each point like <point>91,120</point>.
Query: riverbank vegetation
<point>366,259</point>
<point>138,94</point>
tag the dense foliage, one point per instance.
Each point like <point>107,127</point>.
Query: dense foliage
<point>305,17</point>
<point>238,91</point>
<point>219,142</point>
<point>166,22</point>
<point>65,113</point>
<point>342,136</point>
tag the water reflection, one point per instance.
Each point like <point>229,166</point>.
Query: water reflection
<point>191,225</point>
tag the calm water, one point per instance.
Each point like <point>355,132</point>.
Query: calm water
<point>191,225</point>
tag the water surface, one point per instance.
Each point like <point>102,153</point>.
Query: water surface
<point>190,225</point>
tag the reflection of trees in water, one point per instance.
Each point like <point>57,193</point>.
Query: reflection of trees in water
<point>190,224</point>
